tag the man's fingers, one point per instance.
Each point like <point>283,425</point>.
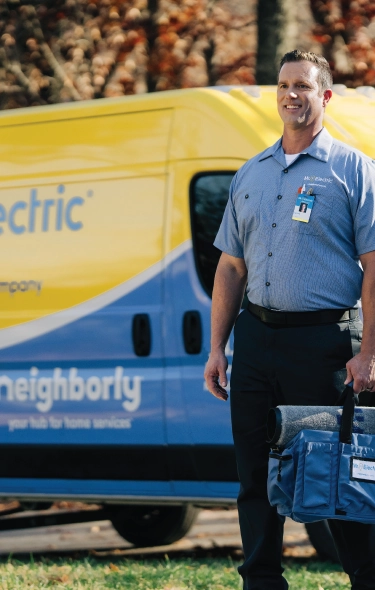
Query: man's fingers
<point>215,375</point>
<point>219,392</point>
<point>215,387</point>
<point>222,377</point>
<point>357,381</point>
<point>349,376</point>
<point>360,369</point>
<point>357,386</point>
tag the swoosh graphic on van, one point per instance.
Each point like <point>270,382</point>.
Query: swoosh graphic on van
<point>22,332</point>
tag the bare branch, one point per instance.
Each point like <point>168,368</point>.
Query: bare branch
<point>15,69</point>
<point>13,89</point>
<point>59,71</point>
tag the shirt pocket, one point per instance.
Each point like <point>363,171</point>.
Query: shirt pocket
<point>248,212</point>
<point>320,218</point>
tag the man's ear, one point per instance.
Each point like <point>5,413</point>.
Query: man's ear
<point>327,95</point>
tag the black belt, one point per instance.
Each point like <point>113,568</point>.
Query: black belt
<point>299,318</point>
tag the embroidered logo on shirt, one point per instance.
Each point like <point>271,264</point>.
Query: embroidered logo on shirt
<point>318,178</point>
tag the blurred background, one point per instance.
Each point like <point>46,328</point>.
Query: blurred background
<point>68,50</point>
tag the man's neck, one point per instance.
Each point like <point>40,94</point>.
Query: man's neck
<point>294,141</point>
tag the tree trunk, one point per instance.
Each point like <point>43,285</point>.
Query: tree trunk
<point>268,41</point>
<point>282,27</point>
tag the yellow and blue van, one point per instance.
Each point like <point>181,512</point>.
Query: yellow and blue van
<point>108,211</point>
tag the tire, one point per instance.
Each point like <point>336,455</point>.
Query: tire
<point>321,539</point>
<point>149,526</point>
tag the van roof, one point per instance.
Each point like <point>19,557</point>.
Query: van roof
<point>350,116</point>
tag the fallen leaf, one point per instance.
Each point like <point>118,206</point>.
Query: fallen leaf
<point>64,579</point>
<point>114,567</point>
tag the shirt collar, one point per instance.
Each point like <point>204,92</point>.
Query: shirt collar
<point>319,149</point>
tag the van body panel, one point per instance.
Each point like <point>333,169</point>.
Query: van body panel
<point>97,205</point>
<point>67,244</point>
<point>83,144</point>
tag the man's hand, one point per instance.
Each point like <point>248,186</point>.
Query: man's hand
<point>215,374</point>
<point>361,369</point>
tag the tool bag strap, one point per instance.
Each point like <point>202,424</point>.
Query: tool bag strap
<point>350,402</point>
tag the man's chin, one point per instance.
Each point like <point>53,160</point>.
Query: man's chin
<point>296,122</point>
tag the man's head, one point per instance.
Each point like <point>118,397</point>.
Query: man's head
<point>324,75</point>
<point>303,89</point>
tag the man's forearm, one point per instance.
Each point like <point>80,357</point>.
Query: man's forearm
<point>229,287</point>
<point>368,308</point>
<point>361,368</point>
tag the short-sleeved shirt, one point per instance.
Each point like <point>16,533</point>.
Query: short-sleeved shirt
<point>292,265</point>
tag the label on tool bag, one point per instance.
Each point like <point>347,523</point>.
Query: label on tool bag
<point>362,469</point>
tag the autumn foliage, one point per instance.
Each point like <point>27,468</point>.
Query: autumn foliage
<point>68,50</point>
<point>346,30</point>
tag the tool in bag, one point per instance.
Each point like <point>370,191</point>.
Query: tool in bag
<point>317,474</point>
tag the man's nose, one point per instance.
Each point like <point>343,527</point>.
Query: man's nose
<point>292,94</point>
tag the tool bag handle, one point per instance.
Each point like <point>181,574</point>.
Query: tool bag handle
<point>350,401</point>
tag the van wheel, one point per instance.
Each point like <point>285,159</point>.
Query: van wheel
<point>147,526</point>
<point>321,539</point>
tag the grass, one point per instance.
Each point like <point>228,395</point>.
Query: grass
<point>165,574</point>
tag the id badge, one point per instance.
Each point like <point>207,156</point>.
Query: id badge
<point>303,207</point>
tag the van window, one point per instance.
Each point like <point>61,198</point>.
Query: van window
<point>209,195</point>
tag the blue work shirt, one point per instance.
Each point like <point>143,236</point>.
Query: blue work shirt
<point>292,265</point>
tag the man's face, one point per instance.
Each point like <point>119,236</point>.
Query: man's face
<point>300,101</point>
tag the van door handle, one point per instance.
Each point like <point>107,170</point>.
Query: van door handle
<point>141,334</point>
<point>192,332</point>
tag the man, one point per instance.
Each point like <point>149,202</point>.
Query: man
<point>299,338</point>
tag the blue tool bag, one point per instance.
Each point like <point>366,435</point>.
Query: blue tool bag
<point>323,474</point>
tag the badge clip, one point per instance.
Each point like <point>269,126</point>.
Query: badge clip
<point>304,204</point>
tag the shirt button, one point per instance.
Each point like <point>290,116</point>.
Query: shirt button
<point>286,171</point>
<point>279,197</point>
<point>269,253</point>
<point>246,196</point>
<point>267,284</point>
<point>274,225</point>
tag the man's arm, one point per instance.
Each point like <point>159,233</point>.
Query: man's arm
<point>229,286</point>
<point>361,368</point>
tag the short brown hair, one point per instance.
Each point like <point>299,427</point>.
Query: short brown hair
<point>324,71</point>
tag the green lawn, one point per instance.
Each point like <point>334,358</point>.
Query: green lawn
<point>174,574</point>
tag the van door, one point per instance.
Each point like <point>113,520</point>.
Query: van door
<point>189,285</point>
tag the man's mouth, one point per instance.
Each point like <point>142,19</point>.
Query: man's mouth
<point>292,107</point>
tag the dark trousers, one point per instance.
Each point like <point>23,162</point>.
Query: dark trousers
<point>298,365</point>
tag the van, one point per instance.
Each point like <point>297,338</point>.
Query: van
<point>108,212</point>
